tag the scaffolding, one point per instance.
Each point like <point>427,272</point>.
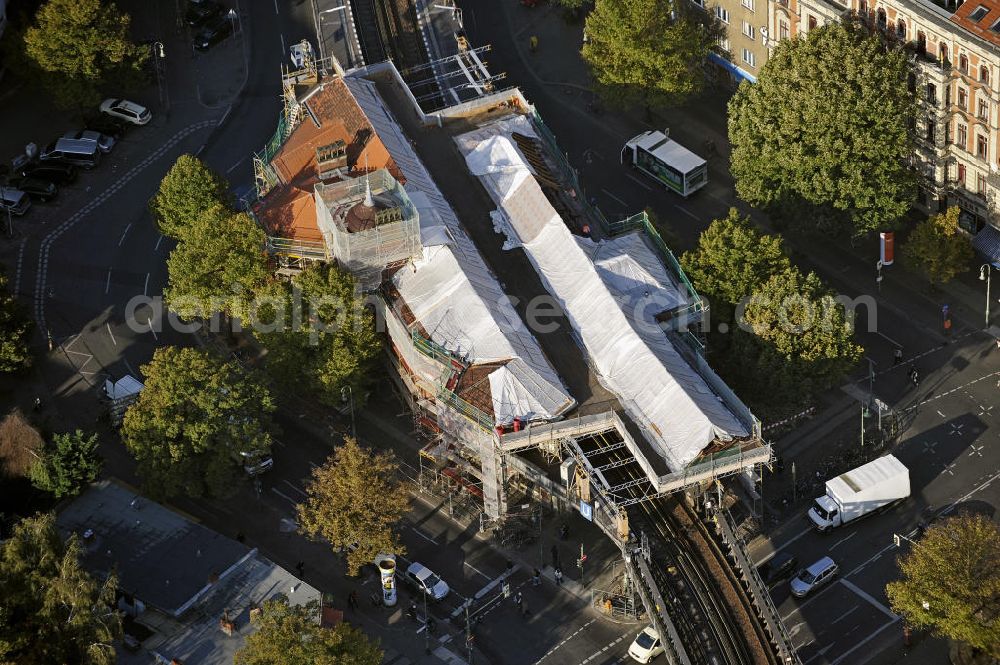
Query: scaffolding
<point>391,235</point>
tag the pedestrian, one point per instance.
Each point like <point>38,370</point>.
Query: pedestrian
<point>533,43</point>
<point>555,556</point>
<point>563,532</point>
<point>300,566</point>
<point>897,356</point>
<point>519,601</point>
<point>412,611</point>
<point>352,600</point>
<point>558,576</point>
<point>536,578</point>
<point>38,403</point>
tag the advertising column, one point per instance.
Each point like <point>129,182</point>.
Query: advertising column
<point>387,570</point>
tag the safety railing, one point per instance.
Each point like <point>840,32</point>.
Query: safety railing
<point>471,413</point>
<point>305,249</point>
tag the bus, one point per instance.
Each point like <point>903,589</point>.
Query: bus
<point>667,161</point>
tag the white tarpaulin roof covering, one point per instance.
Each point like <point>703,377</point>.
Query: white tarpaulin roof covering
<point>663,394</point>
<point>123,388</point>
<point>454,296</point>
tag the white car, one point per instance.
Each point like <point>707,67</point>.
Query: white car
<point>104,142</point>
<point>421,577</point>
<point>127,111</point>
<point>646,646</point>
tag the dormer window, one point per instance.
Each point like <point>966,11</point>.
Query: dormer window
<point>979,13</point>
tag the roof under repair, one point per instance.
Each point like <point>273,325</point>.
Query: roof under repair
<point>667,398</point>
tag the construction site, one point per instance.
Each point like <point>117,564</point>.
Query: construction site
<point>455,221</point>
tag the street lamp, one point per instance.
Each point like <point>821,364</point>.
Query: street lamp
<point>160,54</point>
<point>985,271</point>
<point>347,396</point>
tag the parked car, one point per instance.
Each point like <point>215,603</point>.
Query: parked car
<point>200,12</point>
<point>36,188</point>
<point>126,110</point>
<point>103,141</point>
<point>254,465</point>
<point>813,577</point>
<point>212,33</point>
<point>779,567</point>
<point>61,174</point>
<point>72,151</point>
<point>106,124</point>
<point>14,201</point>
<point>646,646</point>
<point>426,581</point>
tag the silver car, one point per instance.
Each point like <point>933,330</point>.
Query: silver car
<point>813,577</point>
<point>104,142</point>
<point>426,581</point>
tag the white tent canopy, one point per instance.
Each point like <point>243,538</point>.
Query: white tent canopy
<point>674,405</point>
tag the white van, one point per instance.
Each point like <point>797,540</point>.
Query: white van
<point>72,151</point>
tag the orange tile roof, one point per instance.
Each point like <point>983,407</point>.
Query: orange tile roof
<point>288,209</point>
<point>984,26</point>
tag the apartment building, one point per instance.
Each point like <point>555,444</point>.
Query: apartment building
<point>955,47</point>
<point>746,40</point>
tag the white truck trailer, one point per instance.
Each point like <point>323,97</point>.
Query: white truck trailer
<point>868,489</point>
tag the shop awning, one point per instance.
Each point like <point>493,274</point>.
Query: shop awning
<point>987,243</point>
<point>719,60</point>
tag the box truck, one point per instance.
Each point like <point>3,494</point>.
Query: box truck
<point>868,489</point>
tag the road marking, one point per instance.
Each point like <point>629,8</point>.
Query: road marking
<point>282,47</point>
<point>158,241</point>
<point>284,496</point>
<point>155,336</point>
<point>124,233</point>
<point>863,642</point>
<point>778,549</point>
<point>466,563</point>
<point>875,556</point>
<point>845,614</point>
<point>819,653</point>
<point>941,414</point>
<point>976,450</point>
<point>864,594</point>
<point>891,340</point>
<point>17,272</point>
<point>952,505</point>
<point>614,197</point>
<point>112,334</point>
<point>603,650</point>
<point>107,284</point>
<point>233,167</point>
<point>422,535</point>
<point>687,212</point>
<point>129,367</point>
<point>296,488</point>
<point>844,539</point>
<point>276,7</point>
<point>145,287</point>
<point>563,643</point>
<point>638,181</point>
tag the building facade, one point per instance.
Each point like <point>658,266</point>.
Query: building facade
<point>747,35</point>
<point>954,47</point>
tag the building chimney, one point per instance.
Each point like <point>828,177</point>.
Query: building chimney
<point>331,160</point>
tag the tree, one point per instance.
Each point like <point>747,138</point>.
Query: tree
<point>733,259</point>
<point>20,446</point>
<point>355,501</point>
<point>66,466</point>
<point>801,340</point>
<point>51,610</point>
<point>189,189</point>
<point>329,344</point>
<point>835,160</point>
<point>82,46</point>
<point>195,421</point>
<point>218,266</point>
<point>15,331</point>
<point>937,249</point>
<point>291,635</point>
<point>648,52</point>
<point>951,582</point>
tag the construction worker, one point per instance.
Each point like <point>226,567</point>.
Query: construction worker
<point>533,43</point>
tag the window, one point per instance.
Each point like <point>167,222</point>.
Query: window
<point>984,74</point>
<point>979,13</point>
<point>782,30</point>
<point>996,26</point>
<point>943,53</point>
<point>932,94</point>
<point>724,44</point>
<point>901,29</point>
<point>963,64</point>
<point>748,29</point>
<point>981,183</point>
<point>748,4</point>
<point>930,130</point>
<point>863,8</point>
<point>982,147</point>
<point>962,136</point>
<point>880,20</point>
<point>984,110</point>
<point>749,58</point>
<point>921,43</point>
<point>911,82</point>
<point>812,22</point>
<point>963,98</point>
<point>960,177</point>
<point>723,14</point>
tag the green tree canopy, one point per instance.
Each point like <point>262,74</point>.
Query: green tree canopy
<point>329,344</point>
<point>733,259</point>
<point>69,463</point>
<point>801,340</point>
<point>834,160</point>
<point>15,331</point>
<point>951,582</point>
<point>648,52</point>
<point>51,609</point>
<point>218,266</point>
<point>82,47</point>
<point>291,635</point>
<point>356,498</point>
<point>937,249</point>
<point>194,419</point>
<point>188,190</point>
